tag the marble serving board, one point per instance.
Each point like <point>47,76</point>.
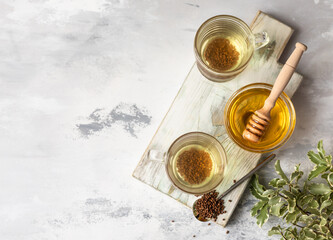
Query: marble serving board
<point>199,106</point>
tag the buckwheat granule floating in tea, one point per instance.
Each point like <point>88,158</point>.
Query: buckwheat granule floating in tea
<point>208,206</point>
<point>220,54</point>
<point>194,165</point>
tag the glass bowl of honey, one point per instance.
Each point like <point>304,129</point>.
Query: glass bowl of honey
<point>244,102</point>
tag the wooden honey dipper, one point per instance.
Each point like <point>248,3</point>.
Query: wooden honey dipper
<point>259,121</point>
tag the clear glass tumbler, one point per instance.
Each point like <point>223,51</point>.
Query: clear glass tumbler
<point>239,35</point>
<point>198,140</point>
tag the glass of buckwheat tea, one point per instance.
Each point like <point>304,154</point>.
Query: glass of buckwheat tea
<point>223,47</point>
<point>195,162</point>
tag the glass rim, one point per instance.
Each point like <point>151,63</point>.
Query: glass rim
<point>285,98</point>
<point>198,56</point>
<point>223,157</point>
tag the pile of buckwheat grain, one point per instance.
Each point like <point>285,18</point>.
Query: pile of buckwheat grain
<point>208,206</point>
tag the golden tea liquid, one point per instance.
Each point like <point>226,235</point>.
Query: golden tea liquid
<point>191,147</point>
<point>229,47</point>
<point>245,104</point>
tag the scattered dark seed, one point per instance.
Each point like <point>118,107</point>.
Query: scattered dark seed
<point>228,232</point>
<point>230,200</point>
<point>223,219</point>
<point>193,235</point>
<point>172,220</point>
<point>234,181</point>
<point>208,224</point>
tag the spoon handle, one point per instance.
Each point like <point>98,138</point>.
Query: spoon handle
<point>259,166</point>
<point>284,76</point>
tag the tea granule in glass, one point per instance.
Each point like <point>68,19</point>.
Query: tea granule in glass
<point>220,54</point>
<point>194,165</point>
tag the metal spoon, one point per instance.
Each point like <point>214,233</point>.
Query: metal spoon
<point>259,166</point>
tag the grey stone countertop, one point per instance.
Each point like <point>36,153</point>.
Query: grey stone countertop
<point>83,87</point>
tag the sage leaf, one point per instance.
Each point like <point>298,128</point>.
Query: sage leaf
<point>274,200</point>
<point>316,158</point>
<point>257,195</point>
<point>257,207</point>
<point>325,197</point>
<point>297,174</point>
<point>324,176</point>
<point>295,191</point>
<point>276,209</point>
<point>316,227</point>
<point>291,217</point>
<point>279,171</point>
<point>268,193</point>
<point>263,215</point>
<point>291,204</point>
<point>313,211</point>
<point>319,189</point>
<point>287,194</point>
<point>329,160</point>
<point>324,215</point>
<point>325,204</point>
<point>291,233</point>
<point>313,204</point>
<point>273,182</point>
<point>257,189</point>
<point>306,219</point>
<point>330,179</point>
<point>320,148</point>
<point>283,210</point>
<point>273,231</point>
<point>309,233</point>
<point>305,199</point>
<point>281,183</point>
<point>323,221</point>
<point>324,229</point>
<point>318,169</point>
<point>255,183</point>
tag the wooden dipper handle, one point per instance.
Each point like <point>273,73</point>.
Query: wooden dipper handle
<point>284,76</point>
<point>259,121</point>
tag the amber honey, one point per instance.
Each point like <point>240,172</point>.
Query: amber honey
<point>244,104</point>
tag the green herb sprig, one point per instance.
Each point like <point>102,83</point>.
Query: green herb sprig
<point>307,209</point>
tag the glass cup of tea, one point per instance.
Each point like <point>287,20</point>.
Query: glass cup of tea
<point>198,146</point>
<point>224,45</point>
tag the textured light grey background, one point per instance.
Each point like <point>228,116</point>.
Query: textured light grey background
<point>84,85</point>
